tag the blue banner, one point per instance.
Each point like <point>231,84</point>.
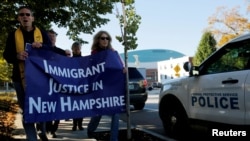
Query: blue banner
<point>60,87</point>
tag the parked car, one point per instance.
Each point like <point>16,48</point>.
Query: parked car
<point>137,88</point>
<point>216,95</point>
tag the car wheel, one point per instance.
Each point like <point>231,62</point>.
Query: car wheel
<point>175,120</point>
<point>139,106</point>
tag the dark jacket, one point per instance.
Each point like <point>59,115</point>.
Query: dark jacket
<point>10,54</point>
<point>59,51</point>
<point>77,55</point>
<point>97,50</point>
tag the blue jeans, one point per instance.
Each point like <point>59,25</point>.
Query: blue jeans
<point>94,122</point>
<point>29,128</point>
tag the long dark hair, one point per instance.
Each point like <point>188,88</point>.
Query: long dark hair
<point>95,44</point>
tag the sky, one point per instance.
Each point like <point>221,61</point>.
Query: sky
<point>166,24</point>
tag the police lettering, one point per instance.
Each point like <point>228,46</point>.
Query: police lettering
<point>215,102</point>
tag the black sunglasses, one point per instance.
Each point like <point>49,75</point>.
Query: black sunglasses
<point>22,14</point>
<point>104,38</point>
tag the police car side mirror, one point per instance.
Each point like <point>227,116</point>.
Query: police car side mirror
<point>187,66</point>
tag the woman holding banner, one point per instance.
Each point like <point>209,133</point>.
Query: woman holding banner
<point>102,41</point>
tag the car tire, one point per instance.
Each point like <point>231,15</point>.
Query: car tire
<point>139,106</point>
<point>175,120</point>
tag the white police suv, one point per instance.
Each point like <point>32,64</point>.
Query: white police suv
<point>216,93</point>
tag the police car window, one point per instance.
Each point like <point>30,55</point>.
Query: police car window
<point>234,58</point>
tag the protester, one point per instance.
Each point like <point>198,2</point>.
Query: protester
<point>15,54</point>
<point>52,126</point>
<point>102,41</point>
<point>76,51</point>
<point>52,35</point>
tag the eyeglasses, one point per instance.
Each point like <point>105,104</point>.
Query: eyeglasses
<point>104,38</point>
<point>22,14</point>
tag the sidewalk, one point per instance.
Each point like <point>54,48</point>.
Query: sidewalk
<point>64,132</point>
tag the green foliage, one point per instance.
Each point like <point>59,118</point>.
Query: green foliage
<point>5,69</point>
<point>78,16</point>
<point>206,47</point>
<point>129,30</point>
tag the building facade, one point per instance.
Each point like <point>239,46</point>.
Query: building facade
<point>172,68</point>
<point>149,59</point>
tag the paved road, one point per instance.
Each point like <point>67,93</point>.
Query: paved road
<point>148,119</point>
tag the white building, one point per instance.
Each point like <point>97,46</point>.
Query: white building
<point>160,64</point>
<point>148,58</point>
<point>172,68</point>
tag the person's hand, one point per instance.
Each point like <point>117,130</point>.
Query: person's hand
<point>124,70</point>
<point>36,45</point>
<point>22,55</point>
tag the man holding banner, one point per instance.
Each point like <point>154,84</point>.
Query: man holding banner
<point>50,86</point>
<point>52,126</point>
<point>16,54</point>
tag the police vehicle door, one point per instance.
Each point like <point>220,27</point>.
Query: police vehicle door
<point>247,100</point>
<point>217,94</point>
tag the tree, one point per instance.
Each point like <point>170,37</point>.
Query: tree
<point>206,47</point>
<point>78,16</point>
<point>227,24</point>
<point>131,25</point>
